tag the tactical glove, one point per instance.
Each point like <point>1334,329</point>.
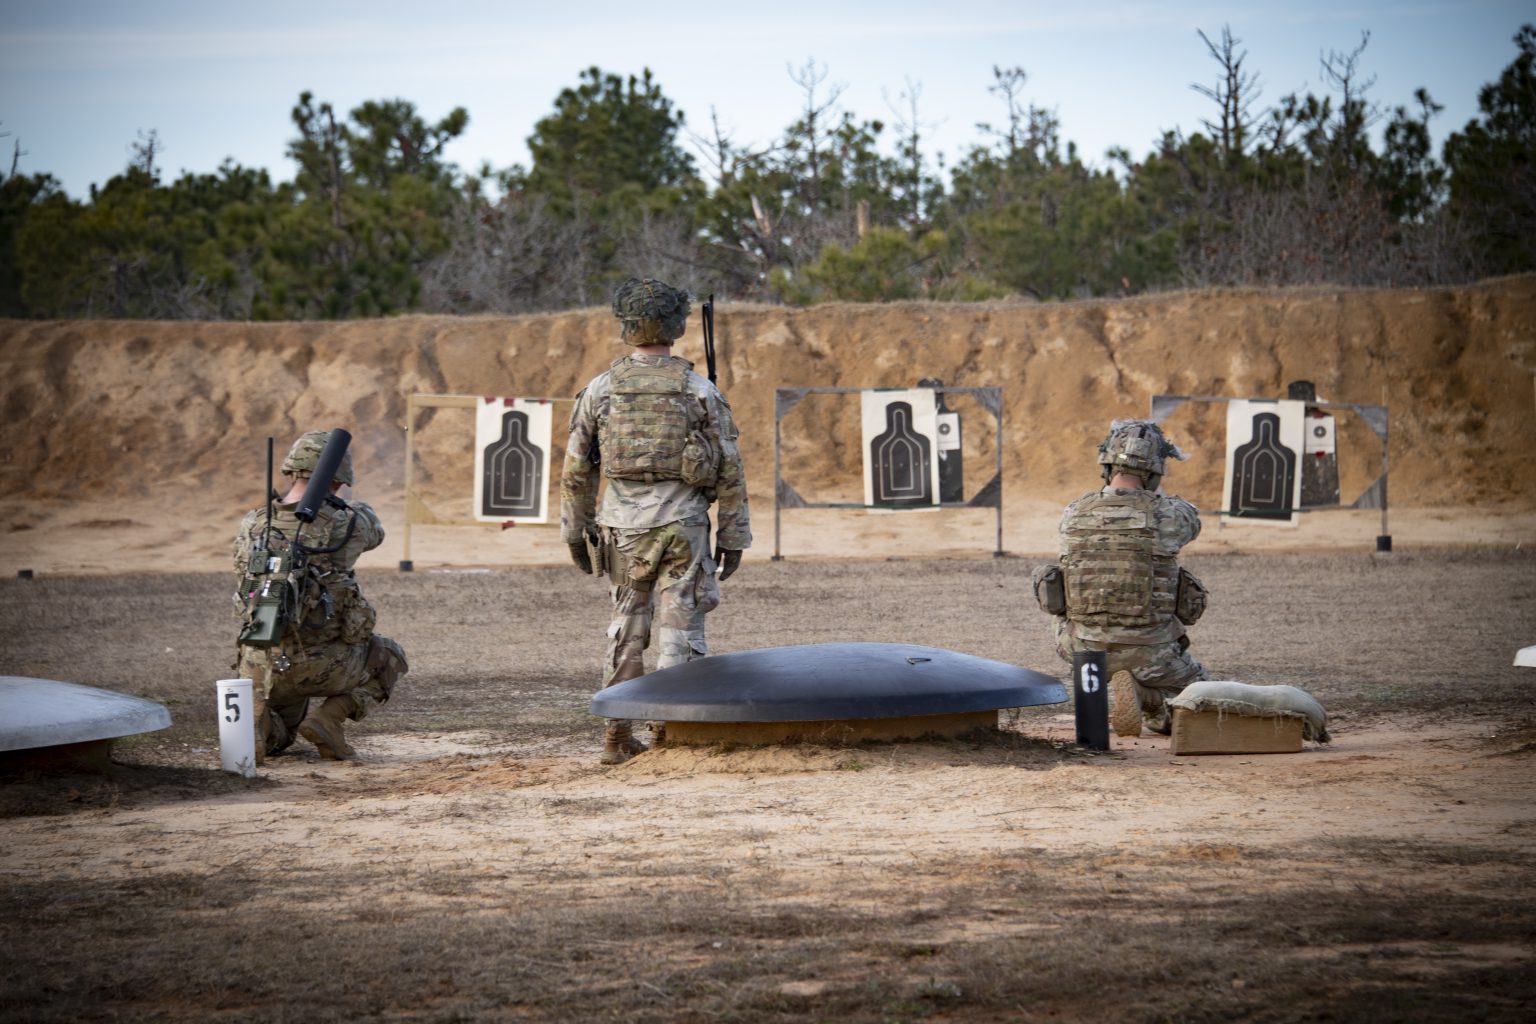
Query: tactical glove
<point>729,561</point>
<point>580,556</point>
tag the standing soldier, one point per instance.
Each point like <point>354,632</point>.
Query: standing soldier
<point>308,629</point>
<point>663,438</point>
<point>1119,587</point>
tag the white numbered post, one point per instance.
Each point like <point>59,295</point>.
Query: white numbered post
<point>237,730</point>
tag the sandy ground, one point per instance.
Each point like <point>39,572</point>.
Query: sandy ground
<point>809,810</point>
<point>477,863</point>
<point>93,537</point>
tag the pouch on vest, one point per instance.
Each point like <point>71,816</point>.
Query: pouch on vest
<point>1192,598</point>
<point>1050,589</point>
<point>701,460</point>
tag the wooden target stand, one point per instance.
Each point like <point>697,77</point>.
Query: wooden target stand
<point>417,512</point>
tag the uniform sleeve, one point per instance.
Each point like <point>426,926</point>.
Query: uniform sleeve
<point>1061,527</point>
<point>579,477</point>
<point>733,519</point>
<point>242,546</point>
<point>367,533</point>
<point>1178,522</point>
<point>369,530</point>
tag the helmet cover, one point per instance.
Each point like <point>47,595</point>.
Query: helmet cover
<point>305,453</point>
<point>652,312</point>
<point>1137,447</point>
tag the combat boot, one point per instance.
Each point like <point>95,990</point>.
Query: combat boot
<point>263,728</point>
<point>619,743</point>
<point>1159,721</point>
<point>278,737</point>
<point>323,725</point>
<point>1124,705</point>
<point>261,722</point>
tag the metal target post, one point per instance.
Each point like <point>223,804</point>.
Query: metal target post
<point>1375,417</point>
<point>785,496</point>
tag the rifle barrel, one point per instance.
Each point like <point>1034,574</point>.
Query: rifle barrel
<point>707,315</point>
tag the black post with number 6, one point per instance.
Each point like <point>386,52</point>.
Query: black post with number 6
<point>1090,698</point>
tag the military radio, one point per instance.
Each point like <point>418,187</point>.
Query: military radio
<point>265,587</point>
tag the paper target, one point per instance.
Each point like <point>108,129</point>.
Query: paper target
<point>901,444</point>
<point>512,438</point>
<point>1320,435</point>
<point>1264,455</point>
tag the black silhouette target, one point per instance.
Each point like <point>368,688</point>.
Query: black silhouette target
<point>1263,473</point>
<point>512,476</point>
<point>901,461</point>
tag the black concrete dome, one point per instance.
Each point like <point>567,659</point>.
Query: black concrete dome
<point>819,682</point>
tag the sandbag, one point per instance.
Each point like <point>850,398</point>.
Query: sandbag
<point>1257,702</point>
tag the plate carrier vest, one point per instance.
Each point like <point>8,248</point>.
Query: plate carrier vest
<point>1115,578</point>
<point>647,425</point>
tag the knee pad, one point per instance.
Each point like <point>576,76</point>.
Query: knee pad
<point>386,664</point>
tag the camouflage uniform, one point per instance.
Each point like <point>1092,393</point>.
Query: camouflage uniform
<point>333,652</point>
<point>1123,590</point>
<point>656,530</point>
<point>662,529</point>
<point>1155,653</point>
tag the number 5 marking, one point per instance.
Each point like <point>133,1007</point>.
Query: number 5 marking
<point>231,705</point>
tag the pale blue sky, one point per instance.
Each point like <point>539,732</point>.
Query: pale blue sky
<point>80,79</point>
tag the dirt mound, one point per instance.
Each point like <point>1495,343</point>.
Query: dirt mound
<point>119,411</point>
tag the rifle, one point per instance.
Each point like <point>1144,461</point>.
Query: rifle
<point>707,314</point>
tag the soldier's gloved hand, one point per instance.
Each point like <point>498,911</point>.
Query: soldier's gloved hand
<point>580,556</point>
<point>729,562</point>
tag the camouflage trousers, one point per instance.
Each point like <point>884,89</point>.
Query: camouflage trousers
<point>1161,671</point>
<point>366,671</point>
<point>672,586</point>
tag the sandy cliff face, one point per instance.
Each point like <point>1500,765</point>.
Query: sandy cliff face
<point>109,410</point>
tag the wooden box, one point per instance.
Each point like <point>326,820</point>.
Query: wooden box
<point>1221,732</point>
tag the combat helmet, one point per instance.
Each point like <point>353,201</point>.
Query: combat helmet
<point>1137,447</point>
<point>652,312</point>
<point>301,458</point>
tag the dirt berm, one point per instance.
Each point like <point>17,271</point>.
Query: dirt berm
<point>169,418</point>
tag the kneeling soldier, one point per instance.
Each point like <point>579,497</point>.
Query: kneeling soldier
<point>308,629</point>
<point>1119,587</point>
